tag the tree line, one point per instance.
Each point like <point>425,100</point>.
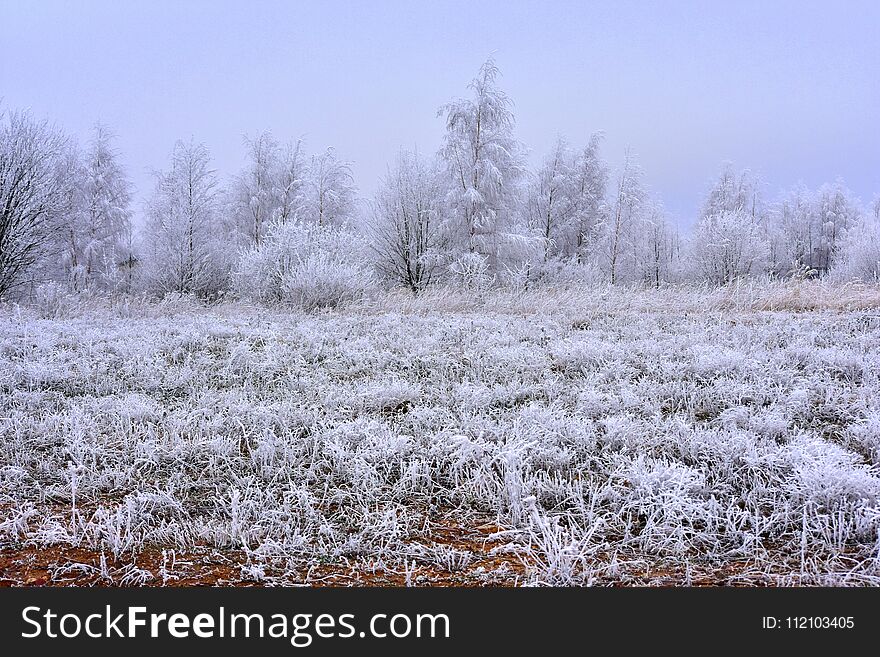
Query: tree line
<point>291,228</point>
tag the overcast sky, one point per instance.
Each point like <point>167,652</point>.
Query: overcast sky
<point>788,89</point>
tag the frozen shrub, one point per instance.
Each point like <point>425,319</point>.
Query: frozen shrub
<point>566,273</point>
<point>319,281</point>
<point>305,265</point>
<point>570,272</point>
<point>471,272</point>
<point>52,301</point>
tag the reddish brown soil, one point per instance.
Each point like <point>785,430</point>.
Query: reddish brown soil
<point>65,565</point>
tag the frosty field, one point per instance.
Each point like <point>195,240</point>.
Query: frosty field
<point>605,437</point>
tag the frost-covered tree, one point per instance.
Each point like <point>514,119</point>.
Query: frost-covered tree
<point>836,211</point>
<point>330,192</point>
<point>291,180</point>
<point>807,229</point>
<point>728,246</point>
<point>129,263</point>
<point>858,257</point>
<point>483,164</point>
<point>271,188</point>
<point>565,202</point>
<point>254,192</point>
<point>657,247</point>
<point>732,238</point>
<point>551,203</point>
<point>590,179</point>
<point>183,238</point>
<point>407,233</point>
<point>99,226</point>
<point>33,188</point>
<point>793,234</point>
<point>733,192</point>
<point>621,228</point>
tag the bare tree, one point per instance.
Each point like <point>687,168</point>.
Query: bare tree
<point>588,197</point>
<point>270,189</point>
<point>858,257</point>
<point>32,188</point>
<point>807,230</point>
<point>793,233</point>
<point>732,239</point>
<point>658,247</point>
<point>837,212</point>
<point>407,235</point>
<point>734,192</point>
<point>566,200</point>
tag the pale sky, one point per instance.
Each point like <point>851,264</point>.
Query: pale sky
<point>788,89</point>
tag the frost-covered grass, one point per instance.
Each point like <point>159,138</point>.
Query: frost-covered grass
<point>607,436</point>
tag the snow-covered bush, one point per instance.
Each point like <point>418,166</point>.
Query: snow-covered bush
<point>470,271</point>
<point>52,300</point>
<point>569,272</point>
<point>305,265</point>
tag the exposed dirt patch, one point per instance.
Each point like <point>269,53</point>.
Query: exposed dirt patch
<point>469,549</point>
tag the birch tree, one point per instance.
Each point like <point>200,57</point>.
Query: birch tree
<point>330,190</point>
<point>733,192</point>
<point>483,164</point>
<point>100,224</point>
<point>837,212</point>
<point>859,254</point>
<point>551,203</point>
<point>182,230</point>
<point>291,180</point>
<point>621,228</point>
<point>588,198</point>
<point>808,229</point>
<point>793,233</point>
<point>658,247</point>
<point>254,193</point>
